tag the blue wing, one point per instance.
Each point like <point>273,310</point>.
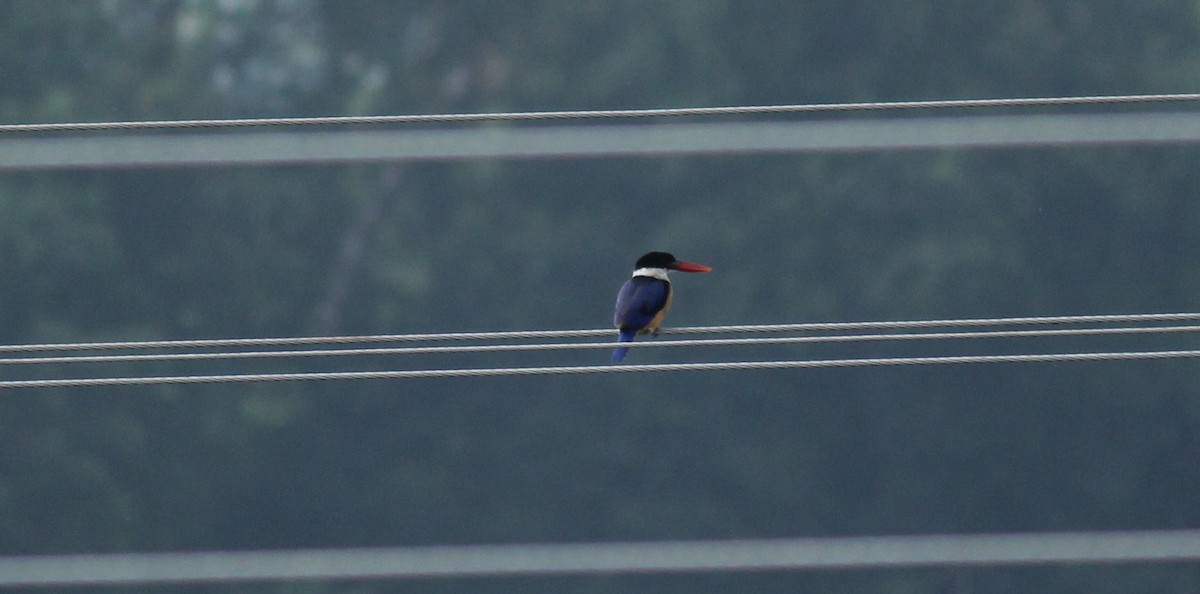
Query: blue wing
<point>640,299</point>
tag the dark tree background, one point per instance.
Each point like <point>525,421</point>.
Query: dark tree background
<point>496,245</point>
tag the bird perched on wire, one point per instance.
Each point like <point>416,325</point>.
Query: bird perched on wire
<point>645,298</point>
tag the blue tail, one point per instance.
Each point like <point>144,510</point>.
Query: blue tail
<point>626,335</point>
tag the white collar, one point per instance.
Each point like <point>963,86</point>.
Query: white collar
<point>659,273</point>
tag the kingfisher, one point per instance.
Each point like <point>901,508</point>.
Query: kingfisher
<point>645,298</point>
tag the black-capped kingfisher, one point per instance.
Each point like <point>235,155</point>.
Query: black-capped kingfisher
<point>645,298</point>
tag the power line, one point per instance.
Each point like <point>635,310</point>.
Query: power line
<point>900,331</point>
<point>594,369</point>
<point>379,351</point>
<point>459,561</point>
<point>604,113</point>
<point>537,334</point>
<point>226,147</point>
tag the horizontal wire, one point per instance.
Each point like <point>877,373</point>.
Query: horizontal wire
<point>589,369</point>
<point>532,334</point>
<point>602,113</point>
<point>262,147</point>
<point>460,561</point>
<point>595,345</point>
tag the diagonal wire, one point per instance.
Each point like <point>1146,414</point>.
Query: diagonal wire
<point>278,146</point>
<point>594,369</point>
<point>603,113</point>
<point>535,334</point>
<point>595,345</point>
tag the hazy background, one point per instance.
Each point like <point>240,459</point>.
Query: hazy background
<point>168,253</point>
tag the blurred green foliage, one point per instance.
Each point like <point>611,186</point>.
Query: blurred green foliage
<point>229,252</point>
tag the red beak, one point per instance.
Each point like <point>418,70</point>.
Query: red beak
<point>682,266</point>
